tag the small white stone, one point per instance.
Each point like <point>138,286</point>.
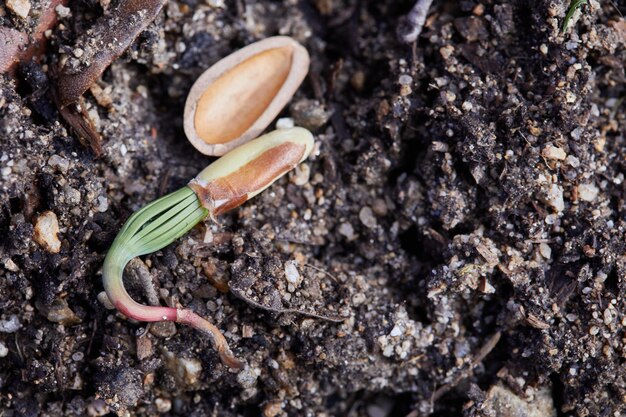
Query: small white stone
<point>62,11</point>
<point>46,231</point>
<point>11,325</point>
<point>346,230</point>
<point>247,377</point>
<point>545,250</point>
<point>396,331</point>
<point>576,133</point>
<point>285,123</point>
<point>103,204</point>
<point>105,301</point>
<point>189,370</point>
<point>19,7</point>
<point>301,174</point>
<point>123,149</point>
<point>59,163</point>
<point>10,265</point>
<point>291,273</point>
<point>544,49</point>
<point>587,192</point>
<point>366,215</point>
<point>78,52</point>
<point>573,161</point>
<point>4,351</point>
<point>554,198</point>
<point>163,405</point>
<point>553,152</point>
<point>218,4</point>
<point>405,79</point>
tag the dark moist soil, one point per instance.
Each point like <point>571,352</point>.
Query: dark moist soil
<point>463,213</point>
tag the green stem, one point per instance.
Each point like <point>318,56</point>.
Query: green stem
<point>150,229</point>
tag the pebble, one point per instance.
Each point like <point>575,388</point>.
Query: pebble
<point>104,300</point>
<point>10,265</point>
<point>450,96</point>
<point>446,51</point>
<point>608,316</point>
<point>46,231</point>
<point>291,273</point>
<point>97,408</point>
<point>545,250</point>
<point>62,11</point>
<point>219,4</point>
<point>346,230</point>
<point>59,163</point>
<point>553,152</point>
<point>309,114</point>
<point>247,377</point>
<point>396,331</point>
<point>573,161</point>
<point>285,123</point>
<point>301,175</point>
<point>382,407</point>
<point>405,79</point>
<point>185,370</point>
<point>379,207</point>
<point>60,312</point>
<point>163,329</point>
<point>103,204</point>
<point>19,7</point>
<point>357,81</point>
<point>11,325</point>
<point>366,215</point>
<point>501,401</point>
<point>4,351</point>
<point>554,198</point>
<point>587,192</point>
<point>272,409</point>
<point>163,405</point>
<point>72,195</point>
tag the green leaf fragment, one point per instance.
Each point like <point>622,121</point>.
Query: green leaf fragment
<point>575,5</point>
<point>158,224</point>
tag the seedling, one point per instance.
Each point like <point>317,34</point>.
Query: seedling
<point>225,184</point>
<point>575,5</point>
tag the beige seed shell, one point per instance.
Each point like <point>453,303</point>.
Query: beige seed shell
<point>238,97</point>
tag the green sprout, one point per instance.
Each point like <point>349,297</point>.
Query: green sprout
<point>575,5</point>
<point>225,184</point>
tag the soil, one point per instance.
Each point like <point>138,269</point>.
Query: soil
<point>458,234</point>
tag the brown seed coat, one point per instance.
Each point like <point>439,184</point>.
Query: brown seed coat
<point>239,96</point>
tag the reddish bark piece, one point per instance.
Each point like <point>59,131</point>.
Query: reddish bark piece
<point>15,46</point>
<point>104,43</point>
<point>12,44</point>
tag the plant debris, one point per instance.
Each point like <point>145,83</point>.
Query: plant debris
<point>465,185</point>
